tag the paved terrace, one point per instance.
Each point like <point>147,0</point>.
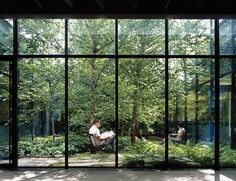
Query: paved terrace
<point>73,174</point>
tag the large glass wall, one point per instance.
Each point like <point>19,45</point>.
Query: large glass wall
<point>41,92</point>
<point>141,112</point>
<point>191,37</point>
<point>6,48</point>
<point>6,37</point>
<point>141,37</point>
<point>5,112</point>
<point>41,112</point>
<point>191,126</point>
<point>91,37</point>
<point>227,93</point>
<point>191,94</point>
<point>81,79</point>
<point>91,94</point>
<point>227,36</point>
<point>91,91</point>
<point>41,37</point>
<point>141,96</point>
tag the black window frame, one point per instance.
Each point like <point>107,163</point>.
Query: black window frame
<point>14,58</point>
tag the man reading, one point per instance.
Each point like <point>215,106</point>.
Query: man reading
<point>105,138</point>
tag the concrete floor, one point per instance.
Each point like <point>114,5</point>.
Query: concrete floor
<point>116,175</point>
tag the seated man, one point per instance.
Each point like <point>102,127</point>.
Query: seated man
<point>180,137</point>
<point>105,138</point>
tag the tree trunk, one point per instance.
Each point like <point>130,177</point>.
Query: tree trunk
<point>50,113</point>
<point>41,119</point>
<point>93,80</point>
<point>93,90</point>
<point>185,98</point>
<point>122,125</point>
<point>135,123</point>
<point>32,121</point>
<point>47,118</point>
<point>53,130</point>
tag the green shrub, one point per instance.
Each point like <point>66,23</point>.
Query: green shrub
<point>149,153</point>
<point>123,142</point>
<point>42,146</point>
<point>143,160</point>
<point>78,143</point>
<point>227,156</point>
<point>197,153</point>
<point>4,151</point>
<point>25,148</point>
<point>143,153</point>
<point>143,147</point>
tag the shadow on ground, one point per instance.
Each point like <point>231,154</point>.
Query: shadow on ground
<point>119,175</point>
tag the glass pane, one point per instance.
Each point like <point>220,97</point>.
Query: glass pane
<point>227,36</point>
<point>191,37</point>
<point>191,113</point>
<point>5,115</point>
<point>92,36</point>
<point>227,113</point>
<point>41,112</point>
<point>144,37</point>
<point>141,113</point>
<point>6,37</point>
<point>91,95</point>
<point>41,36</point>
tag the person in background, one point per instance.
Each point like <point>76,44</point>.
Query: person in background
<point>180,136</point>
<point>105,138</point>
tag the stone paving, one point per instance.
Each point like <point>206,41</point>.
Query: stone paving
<point>73,161</point>
<point>74,174</point>
<point>89,161</point>
<point>59,162</point>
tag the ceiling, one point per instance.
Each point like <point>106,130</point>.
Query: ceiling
<point>118,7</point>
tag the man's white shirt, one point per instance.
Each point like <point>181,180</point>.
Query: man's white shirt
<point>96,133</point>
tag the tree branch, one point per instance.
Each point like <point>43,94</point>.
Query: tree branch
<point>100,73</point>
